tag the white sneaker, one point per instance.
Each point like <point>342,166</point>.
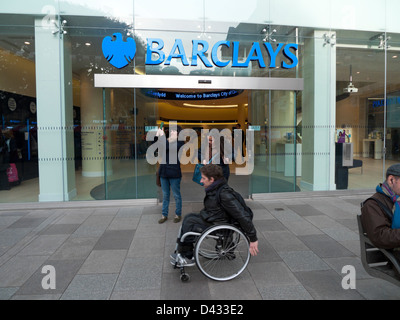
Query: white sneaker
<point>181,261</point>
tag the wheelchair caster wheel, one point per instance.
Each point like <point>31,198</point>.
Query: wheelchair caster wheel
<point>185,277</point>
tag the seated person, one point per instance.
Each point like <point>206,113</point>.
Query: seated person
<point>229,210</point>
<point>380,228</point>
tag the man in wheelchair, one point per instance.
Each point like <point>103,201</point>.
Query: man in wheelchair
<point>222,205</point>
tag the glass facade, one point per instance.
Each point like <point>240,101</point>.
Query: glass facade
<point>72,140</point>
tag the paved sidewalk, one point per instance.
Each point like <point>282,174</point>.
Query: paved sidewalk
<point>117,250</point>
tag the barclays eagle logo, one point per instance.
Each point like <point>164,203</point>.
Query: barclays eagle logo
<point>118,52</point>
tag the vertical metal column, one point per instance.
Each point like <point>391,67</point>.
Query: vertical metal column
<point>105,146</point>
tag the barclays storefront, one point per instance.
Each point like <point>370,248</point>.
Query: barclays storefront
<point>84,83</point>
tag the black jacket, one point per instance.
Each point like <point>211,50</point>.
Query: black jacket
<point>229,210</point>
<point>171,170</point>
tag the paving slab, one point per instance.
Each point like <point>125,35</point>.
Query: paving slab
<point>118,251</point>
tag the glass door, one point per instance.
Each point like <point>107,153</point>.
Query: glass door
<point>271,162</point>
<point>277,142</point>
<point>127,116</point>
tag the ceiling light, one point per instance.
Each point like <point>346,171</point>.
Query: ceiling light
<point>208,106</point>
<point>394,57</point>
<point>27,42</point>
<point>88,44</point>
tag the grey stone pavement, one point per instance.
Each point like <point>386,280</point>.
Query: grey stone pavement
<point>116,250</point>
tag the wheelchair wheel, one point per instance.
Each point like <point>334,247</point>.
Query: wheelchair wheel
<point>222,252</point>
<point>185,277</point>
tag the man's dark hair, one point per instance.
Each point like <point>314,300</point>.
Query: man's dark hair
<point>212,171</point>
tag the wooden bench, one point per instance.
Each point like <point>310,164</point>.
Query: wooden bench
<point>378,263</point>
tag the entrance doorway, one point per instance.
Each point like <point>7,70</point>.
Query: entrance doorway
<point>134,105</point>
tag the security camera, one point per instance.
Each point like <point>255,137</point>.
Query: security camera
<point>350,89</point>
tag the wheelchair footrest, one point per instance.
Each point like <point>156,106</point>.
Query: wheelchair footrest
<point>180,262</point>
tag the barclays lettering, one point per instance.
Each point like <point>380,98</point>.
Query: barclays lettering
<point>120,53</point>
<point>155,46</point>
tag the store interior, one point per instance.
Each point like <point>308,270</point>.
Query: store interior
<point>360,63</point>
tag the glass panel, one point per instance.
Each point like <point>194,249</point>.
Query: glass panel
<point>93,14</point>
<point>18,135</point>
<point>297,13</point>
<point>360,85</point>
<point>103,116</point>
<point>235,12</point>
<point>177,15</point>
<point>393,101</point>
<point>273,117</point>
<point>128,114</point>
<point>392,20</point>
<point>204,16</point>
<point>276,115</point>
<point>88,114</point>
<point>357,14</point>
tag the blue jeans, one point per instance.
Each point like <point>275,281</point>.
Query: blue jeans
<point>175,185</point>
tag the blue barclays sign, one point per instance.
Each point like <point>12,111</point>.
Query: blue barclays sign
<point>201,47</point>
<point>120,53</point>
<point>389,101</point>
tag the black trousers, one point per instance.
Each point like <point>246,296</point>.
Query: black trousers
<point>192,222</point>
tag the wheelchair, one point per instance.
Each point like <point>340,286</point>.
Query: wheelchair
<point>221,253</point>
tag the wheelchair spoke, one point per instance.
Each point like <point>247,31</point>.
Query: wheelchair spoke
<point>224,255</point>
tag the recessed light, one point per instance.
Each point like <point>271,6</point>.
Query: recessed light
<point>210,106</point>
<point>88,44</point>
<point>27,42</point>
<point>394,57</point>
